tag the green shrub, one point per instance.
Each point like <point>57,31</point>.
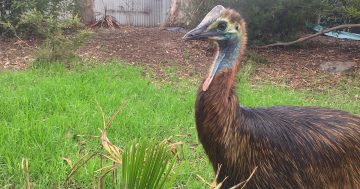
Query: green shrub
<point>12,11</point>
<point>147,165</point>
<point>60,47</point>
<point>55,22</point>
<point>353,10</point>
<point>341,12</point>
<point>268,20</point>
<point>62,37</point>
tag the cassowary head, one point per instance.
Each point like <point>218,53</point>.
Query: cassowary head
<point>227,29</point>
<point>219,24</point>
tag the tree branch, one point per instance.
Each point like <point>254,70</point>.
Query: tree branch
<point>311,36</point>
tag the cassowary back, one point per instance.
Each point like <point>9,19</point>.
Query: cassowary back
<point>293,147</point>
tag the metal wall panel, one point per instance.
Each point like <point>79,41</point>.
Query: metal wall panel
<point>146,13</point>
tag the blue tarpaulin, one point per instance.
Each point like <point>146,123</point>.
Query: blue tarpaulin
<point>338,34</point>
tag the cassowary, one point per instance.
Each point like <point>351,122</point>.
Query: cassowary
<point>293,147</point>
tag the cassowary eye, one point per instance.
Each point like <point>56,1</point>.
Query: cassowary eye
<point>222,26</point>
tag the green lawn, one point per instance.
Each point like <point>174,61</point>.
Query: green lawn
<point>42,110</point>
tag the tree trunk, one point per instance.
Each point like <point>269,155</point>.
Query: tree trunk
<point>88,12</point>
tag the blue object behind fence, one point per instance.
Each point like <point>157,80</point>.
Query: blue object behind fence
<point>338,34</point>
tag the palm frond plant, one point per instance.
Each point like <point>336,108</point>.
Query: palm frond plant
<point>143,164</point>
<point>147,164</point>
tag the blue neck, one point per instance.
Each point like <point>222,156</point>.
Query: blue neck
<point>228,54</point>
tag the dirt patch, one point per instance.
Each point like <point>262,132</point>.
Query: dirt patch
<point>152,47</point>
<point>166,53</point>
<point>299,67</point>
<point>15,54</point>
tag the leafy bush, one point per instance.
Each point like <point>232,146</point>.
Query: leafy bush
<point>53,21</point>
<point>62,37</point>
<point>353,10</point>
<point>60,47</point>
<point>11,12</point>
<point>268,20</point>
<point>341,12</point>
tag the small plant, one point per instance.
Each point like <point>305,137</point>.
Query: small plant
<point>61,47</point>
<point>253,56</point>
<point>147,164</point>
<point>144,164</point>
<point>62,37</point>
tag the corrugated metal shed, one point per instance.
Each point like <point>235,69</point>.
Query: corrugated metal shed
<point>146,13</point>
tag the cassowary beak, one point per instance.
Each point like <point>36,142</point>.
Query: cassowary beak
<point>200,34</point>
<point>195,34</point>
<point>200,31</point>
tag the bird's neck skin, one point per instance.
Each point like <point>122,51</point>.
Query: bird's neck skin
<point>228,59</point>
<point>228,54</point>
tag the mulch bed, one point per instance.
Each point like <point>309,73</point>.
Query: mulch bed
<point>160,50</point>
